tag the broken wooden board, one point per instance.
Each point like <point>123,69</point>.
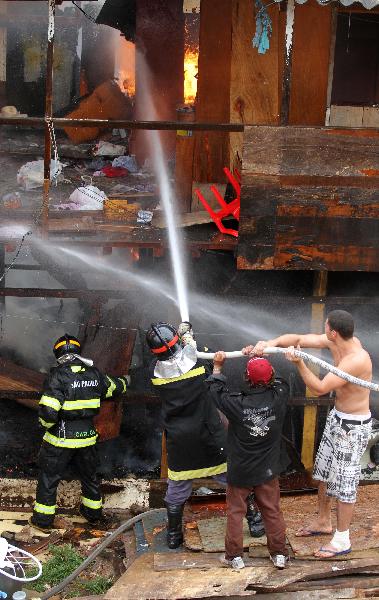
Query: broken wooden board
<point>183,220</point>
<point>358,582</point>
<point>192,539</point>
<point>311,572</point>
<point>344,594</point>
<point>212,534</point>
<point>198,560</point>
<point>140,582</point>
<point>14,377</point>
<point>9,515</point>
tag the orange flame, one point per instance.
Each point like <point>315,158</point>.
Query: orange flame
<point>191,59</point>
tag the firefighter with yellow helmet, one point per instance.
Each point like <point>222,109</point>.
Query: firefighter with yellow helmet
<point>71,398</point>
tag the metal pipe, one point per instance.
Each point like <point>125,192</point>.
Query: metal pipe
<point>48,116</point>
<point>62,122</point>
<point>308,358</point>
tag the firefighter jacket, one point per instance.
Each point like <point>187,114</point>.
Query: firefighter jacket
<point>71,398</point>
<point>195,435</point>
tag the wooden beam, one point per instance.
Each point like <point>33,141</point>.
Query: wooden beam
<point>3,268</point>
<point>102,295</point>
<point>211,152</point>
<point>333,35</point>
<point>310,63</point>
<point>48,116</point>
<point>311,412</point>
<point>61,123</point>
<point>133,397</point>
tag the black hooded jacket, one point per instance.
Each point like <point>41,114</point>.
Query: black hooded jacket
<point>255,427</point>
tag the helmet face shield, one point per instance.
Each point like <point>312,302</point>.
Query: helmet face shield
<point>163,340</point>
<point>67,344</point>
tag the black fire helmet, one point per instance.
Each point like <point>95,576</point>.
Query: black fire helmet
<point>163,340</point>
<point>67,344</point>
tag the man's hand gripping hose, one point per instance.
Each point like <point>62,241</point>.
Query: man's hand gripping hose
<point>304,356</point>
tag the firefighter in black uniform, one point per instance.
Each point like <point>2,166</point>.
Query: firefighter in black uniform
<point>195,435</point>
<point>71,398</point>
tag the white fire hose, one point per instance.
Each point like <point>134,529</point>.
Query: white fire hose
<point>307,357</point>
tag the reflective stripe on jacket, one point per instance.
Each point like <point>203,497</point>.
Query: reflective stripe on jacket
<point>71,397</point>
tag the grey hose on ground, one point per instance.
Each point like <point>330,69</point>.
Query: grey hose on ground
<point>124,527</point>
<point>308,358</point>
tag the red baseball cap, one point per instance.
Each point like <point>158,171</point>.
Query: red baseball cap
<point>259,370</point>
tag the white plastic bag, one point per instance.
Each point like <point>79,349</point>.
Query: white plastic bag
<point>104,148</point>
<point>30,175</point>
<point>87,198</point>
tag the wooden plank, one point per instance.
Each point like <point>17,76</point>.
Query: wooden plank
<point>342,594</point>
<point>197,560</point>
<point>280,200</point>
<point>370,116</point>
<point>211,151</point>
<point>333,257</point>
<point>323,231</point>
<point>332,48</point>
<point>367,179</point>
<point>310,412</point>
<point>212,534</point>
<point>310,151</point>
<point>16,378</point>
<point>192,539</point>
<point>140,582</point>
<point>358,582</point>
<point>346,116</point>
<point>254,93</point>
<point>161,71</point>
<point>312,572</point>
<point>254,87</point>
<point>184,149</point>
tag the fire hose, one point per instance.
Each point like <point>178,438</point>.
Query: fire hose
<point>123,527</point>
<point>308,358</point>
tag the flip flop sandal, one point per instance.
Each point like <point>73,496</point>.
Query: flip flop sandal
<point>312,532</point>
<point>333,553</point>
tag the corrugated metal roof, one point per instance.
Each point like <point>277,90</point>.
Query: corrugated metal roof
<point>366,3</point>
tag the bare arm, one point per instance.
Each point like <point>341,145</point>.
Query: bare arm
<point>308,340</point>
<point>330,382</point>
<point>317,386</point>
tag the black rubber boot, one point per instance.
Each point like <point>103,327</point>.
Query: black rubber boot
<point>254,519</point>
<point>174,525</point>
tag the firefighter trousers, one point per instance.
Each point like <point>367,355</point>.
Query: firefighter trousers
<point>53,463</point>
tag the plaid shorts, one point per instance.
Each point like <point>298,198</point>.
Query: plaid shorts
<point>338,457</point>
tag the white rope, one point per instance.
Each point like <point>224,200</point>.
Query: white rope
<point>51,27</point>
<point>307,357</point>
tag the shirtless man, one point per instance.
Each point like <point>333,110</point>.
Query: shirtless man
<point>347,429</point>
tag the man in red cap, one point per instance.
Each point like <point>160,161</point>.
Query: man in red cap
<point>256,417</point>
